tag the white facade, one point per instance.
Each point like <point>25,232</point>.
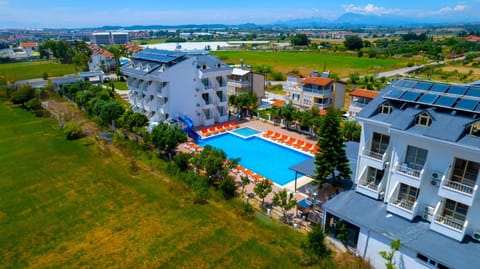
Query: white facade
<point>315,91</point>
<point>166,85</point>
<point>420,158</point>
<point>244,81</point>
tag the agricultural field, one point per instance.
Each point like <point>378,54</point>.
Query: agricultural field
<point>35,69</point>
<point>342,64</point>
<point>71,204</point>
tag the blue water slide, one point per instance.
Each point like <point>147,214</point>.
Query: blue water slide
<point>189,129</point>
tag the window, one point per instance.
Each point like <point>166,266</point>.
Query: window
<point>474,129</point>
<point>407,193</point>
<point>455,210</point>
<point>379,143</point>
<point>423,119</point>
<point>431,262</point>
<point>416,157</point>
<point>374,176</point>
<point>386,109</point>
<point>465,172</point>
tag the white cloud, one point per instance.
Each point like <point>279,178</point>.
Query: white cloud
<point>448,9</point>
<point>368,9</point>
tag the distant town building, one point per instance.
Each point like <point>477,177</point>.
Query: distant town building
<point>358,99</point>
<point>110,38</point>
<point>473,38</point>
<point>29,47</point>
<point>315,90</point>
<point>243,80</point>
<point>101,59</point>
<point>166,85</point>
<point>417,178</point>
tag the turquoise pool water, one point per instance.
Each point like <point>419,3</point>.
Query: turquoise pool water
<point>263,157</point>
<point>246,131</point>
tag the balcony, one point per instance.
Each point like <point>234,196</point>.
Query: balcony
<point>404,208</point>
<point>371,188</point>
<point>408,175</point>
<point>318,92</point>
<point>321,106</point>
<point>457,191</point>
<point>448,225</point>
<point>239,83</point>
<point>376,159</point>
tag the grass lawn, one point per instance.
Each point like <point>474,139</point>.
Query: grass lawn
<point>71,204</point>
<point>28,70</point>
<point>341,64</point>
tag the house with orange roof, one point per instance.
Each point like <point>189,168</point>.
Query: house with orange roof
<point>358,99</point>
<point>319,91</point>
<point>29,47</point>
<point>473,38</point>
<point>101,60</point>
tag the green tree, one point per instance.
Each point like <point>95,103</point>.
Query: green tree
<point>389,255</point>
<point>332,154</point>
<point>182,160</point>
<point>111,111</point>
<point>262,189</point>
<point>353,42</point>
<point>284,200</point>
<point>315,244</point>
<point>351,130</point>
<point>245,181</point>
<point>228,187</point>
<point>80,60</point>
<point>72,130</point>
<point>300,40</point>
<point>166,137</point>
<point>22,95</point>
<point>132,121</point>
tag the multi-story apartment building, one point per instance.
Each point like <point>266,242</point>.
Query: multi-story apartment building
<point>417,177</point>
<point>321,92</point>
<point>358,99</point>
<point>168,84</point>
<point>245,81</point>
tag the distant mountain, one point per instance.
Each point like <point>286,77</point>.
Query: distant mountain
<point>184,26</point>
<point>372,20</point>
<point>305,22</point>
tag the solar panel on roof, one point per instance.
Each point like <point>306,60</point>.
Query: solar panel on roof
<point>466,104</point>
<point>457,89</point>
<point>406,83</point>
<point>439,87</point>
<point>395,94</point>
<point>410,96</point>
<point>428,98</point>
<point>423,85</point>
<point>478,108</point>
<point>445,101</point>
<point>473,92</point>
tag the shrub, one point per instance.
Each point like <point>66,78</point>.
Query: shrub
<point>22,95</point>
<point>228,188</point>
<point>72,130</point>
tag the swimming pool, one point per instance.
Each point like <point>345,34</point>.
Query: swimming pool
<point>246,132</point>
<point>259,155</point>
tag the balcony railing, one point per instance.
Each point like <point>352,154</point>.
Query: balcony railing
<point>369,184</point>
<point>458,186</point>
<point>374,154</point>
<point>450,221</point>
<point>317,91</point>
<point>405,204</point>
<point>409,171</point>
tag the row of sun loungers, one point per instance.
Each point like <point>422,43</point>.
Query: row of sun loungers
<point>292,142</point>
<point>193,147</point>
<point>219,128</point>
<point>254,177</point>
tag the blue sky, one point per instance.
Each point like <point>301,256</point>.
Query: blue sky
<point>88,13</point>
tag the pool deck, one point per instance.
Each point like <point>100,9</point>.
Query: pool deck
<point>302,181</point>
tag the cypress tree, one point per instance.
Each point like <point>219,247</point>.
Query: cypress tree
<point>332,155</point>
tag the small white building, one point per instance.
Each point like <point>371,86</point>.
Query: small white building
<point>166,85</point>
<point>101,60</point>
<point>29,47</point>
<point>417,178</point>
<point>358,99</point>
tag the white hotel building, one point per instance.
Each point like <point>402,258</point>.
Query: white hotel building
<point>168,84</point>
<point>417,178</point>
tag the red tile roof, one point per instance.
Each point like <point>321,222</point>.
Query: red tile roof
<point>473,38</point>
<point>318,81</point>
<point>278,103</point>
<point>28,44</point>
<point>100,51</point>
<point>364,93</point>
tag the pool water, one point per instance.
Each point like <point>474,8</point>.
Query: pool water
<point>246,131</point>
<point>259,155</point>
